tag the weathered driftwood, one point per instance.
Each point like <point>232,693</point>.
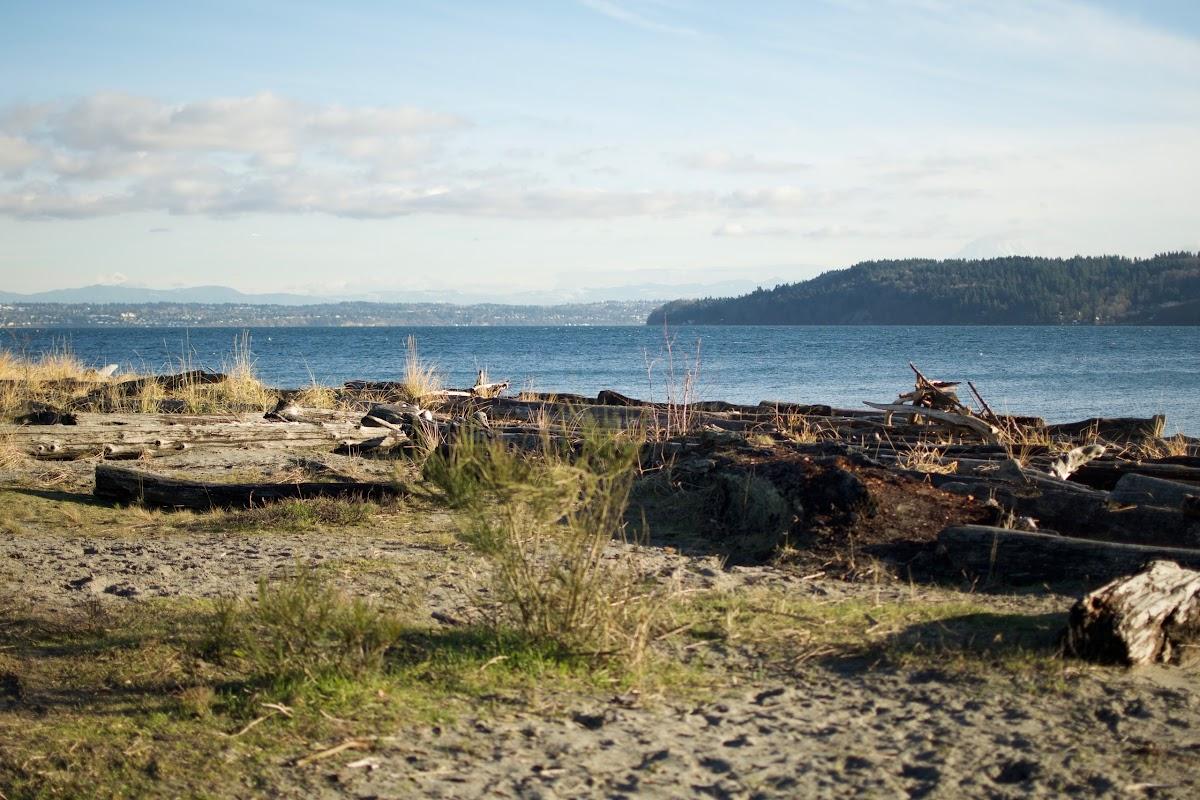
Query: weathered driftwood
<point>934,394</point>
<point>393,414</point>
<point>1010,556</point>
<point>985,431</point>
<point>1104,473</point>
<point>170,383</point>
<point>1151,617</point>
<point>130,485</point>
<point>153,433</point>
<point>618,417</point>
<point>1116,429</point>
<point>1079,511</point>
<point>485,388</point>
<point>42,414</point>
<point>290,412</point>
<point>1144,490</point>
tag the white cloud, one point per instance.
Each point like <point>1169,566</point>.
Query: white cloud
<point>264,123</point>
<point>16,154</point>
<point>112,279</point>
<point>725,161</point>
<point>116,153</point>
<point>737,230</point>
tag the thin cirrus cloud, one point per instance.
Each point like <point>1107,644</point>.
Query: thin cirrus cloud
<point>115,153</point>
<point>624,12</point>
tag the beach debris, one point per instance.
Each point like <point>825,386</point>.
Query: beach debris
<point>125,485</point>
<point>484,388</point>
<point>1003,555</point>
<point>1147,618</point>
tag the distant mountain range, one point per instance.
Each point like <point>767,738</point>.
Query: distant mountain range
<point>1012,290</point>
<point>101,294</point>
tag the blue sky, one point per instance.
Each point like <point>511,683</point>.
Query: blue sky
<point>502,146</point>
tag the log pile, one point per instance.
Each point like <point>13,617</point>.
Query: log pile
<point>1072,479</point>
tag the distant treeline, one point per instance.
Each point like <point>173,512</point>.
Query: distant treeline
<point>245,315</point>
<point>1163,290</point>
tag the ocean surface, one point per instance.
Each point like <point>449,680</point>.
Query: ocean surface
<point>1060,373</point>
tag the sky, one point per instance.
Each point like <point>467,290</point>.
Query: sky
<point>503,146</point>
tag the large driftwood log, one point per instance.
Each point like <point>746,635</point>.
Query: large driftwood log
<point>130,485</point>
<point>170,383</point>
<point>1117,429</point>
<point>1104,473</point>
<point>1151,617</point>
<point>155,433</point>
<point>1075,510</point>
<point>1144,490</point>
<point>1011,556</point>
<point>985,431</point>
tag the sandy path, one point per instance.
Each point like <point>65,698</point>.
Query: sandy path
<point>825,734</point>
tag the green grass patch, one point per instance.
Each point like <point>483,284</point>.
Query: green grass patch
<point>300,515</point>
<point>931,630</point>
<point>198,698</point>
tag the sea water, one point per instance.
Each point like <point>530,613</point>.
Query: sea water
<point>1060,373</point>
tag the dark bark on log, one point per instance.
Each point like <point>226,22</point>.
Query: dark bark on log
<point>1152,617</point>
<point>169,383</point>
<point>399,414</point>
<point>1117,429</point>
<point>1144,490</point>
<point>42,414</point>
<point>1104,474</point>
<point>1080,512</point>
<point>1003,555</point>
<point>129,485</point>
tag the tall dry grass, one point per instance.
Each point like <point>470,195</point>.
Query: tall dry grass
<point>420,379</point>
<point>241,391</point>
<point>545,522</point>
<point>56,378</point>
<point>680,384</point>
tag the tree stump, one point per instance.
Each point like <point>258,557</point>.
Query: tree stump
<point>1151,617</point>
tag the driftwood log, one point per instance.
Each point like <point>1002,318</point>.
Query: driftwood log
<point>1116,429</point>
<point>1144,490</point>
<point>1151,617</point>
<point>157,434</point>
<point>977,426</point>
<point>1076,510</point>
<point>1104,473</point>
<point>125,485</point>
<point>1017,557</point>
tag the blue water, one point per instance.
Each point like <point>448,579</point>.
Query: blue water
<point>1061,373</point>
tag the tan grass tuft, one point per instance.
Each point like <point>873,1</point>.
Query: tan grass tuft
<point>925,457</point>
<point>420,379</point>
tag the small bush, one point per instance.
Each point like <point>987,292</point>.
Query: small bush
<point>544,522</point>
<point>301,630</point>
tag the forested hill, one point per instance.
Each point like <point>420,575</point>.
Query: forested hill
<point>1162,290</point>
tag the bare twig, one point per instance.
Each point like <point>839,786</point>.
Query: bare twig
<point>349,744</point>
